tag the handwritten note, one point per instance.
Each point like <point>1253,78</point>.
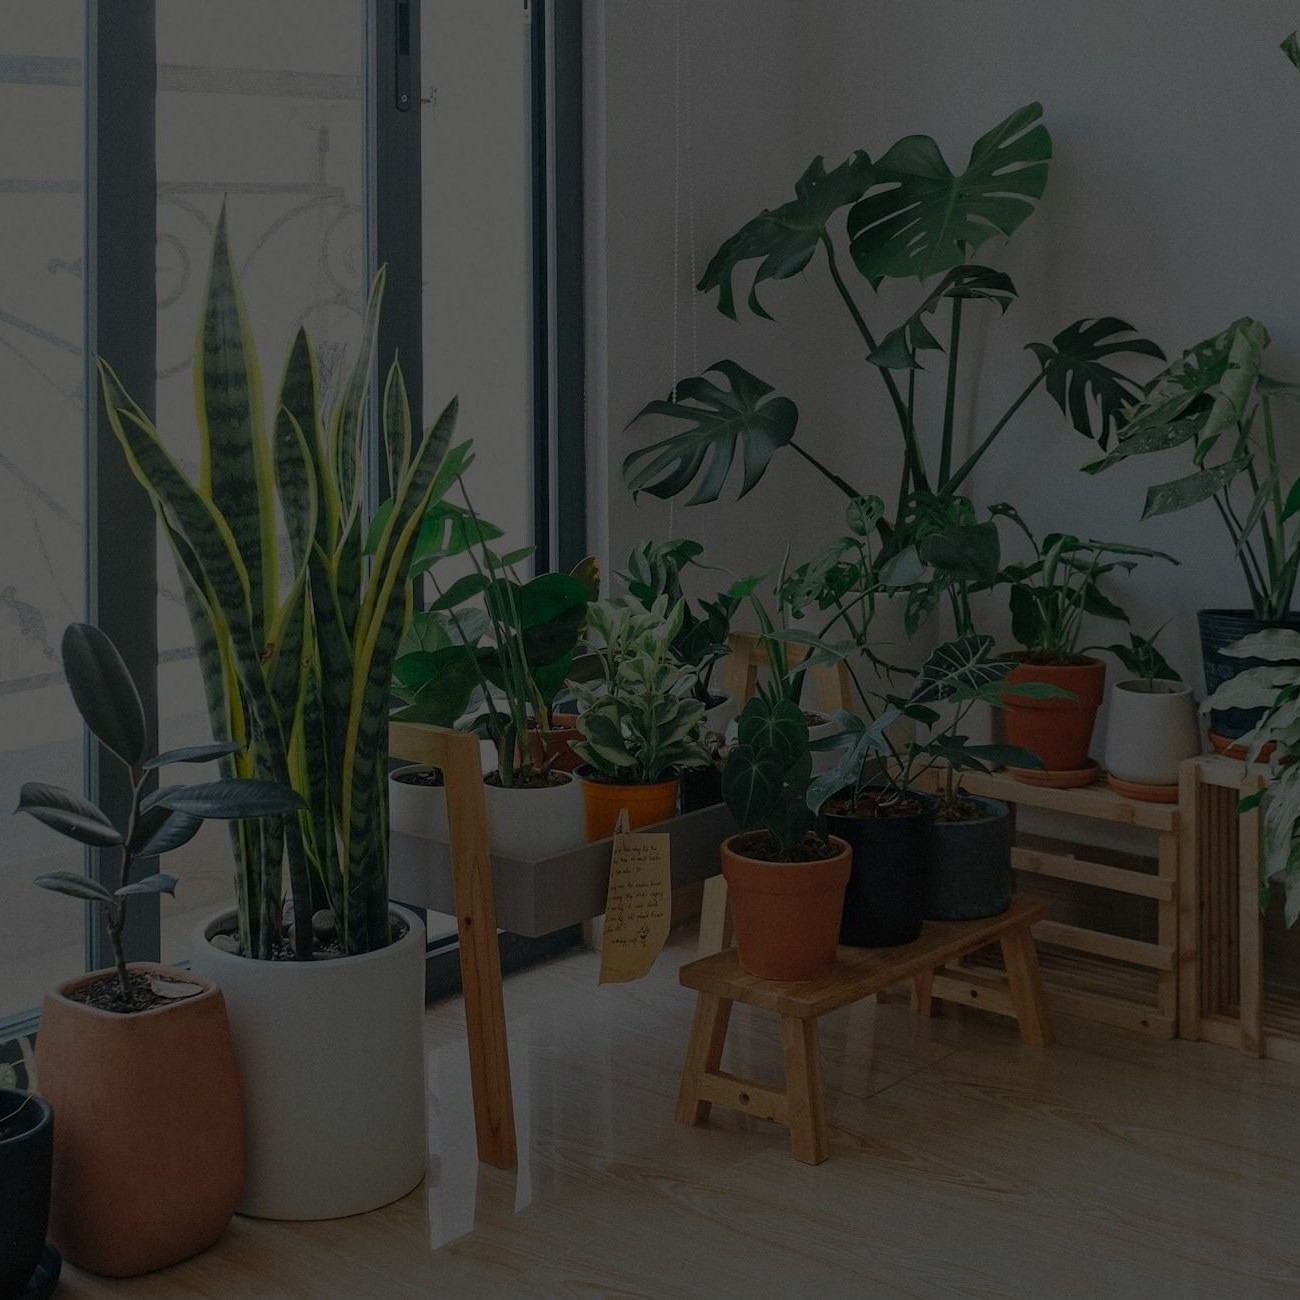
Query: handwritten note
<point>637,905</point>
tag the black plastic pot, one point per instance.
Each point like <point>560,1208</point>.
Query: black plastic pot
<point>26,1158</point>
<point>701,788</point>
<point>886,892</point>
<point>1220,627</point>
<point>970,866</point>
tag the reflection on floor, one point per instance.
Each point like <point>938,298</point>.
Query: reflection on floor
<point>962,1163</point>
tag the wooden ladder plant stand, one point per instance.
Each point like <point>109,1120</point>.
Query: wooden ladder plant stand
<point>859,973</point>
<point>458,755</point>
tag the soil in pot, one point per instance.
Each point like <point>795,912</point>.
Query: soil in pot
<point>423,778</point>
<point>886,889</point>
<point>603,799</point>
<point>1219,628</point>
<point>26,1160</point>
<point>1058,730</point>
<point>787,914</point>
<point>969,873</point>
<point>417,802</point>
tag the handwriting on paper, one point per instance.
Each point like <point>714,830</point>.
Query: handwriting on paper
<point>637,905</point>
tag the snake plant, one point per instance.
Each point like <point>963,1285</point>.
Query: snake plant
<point>296,644</point>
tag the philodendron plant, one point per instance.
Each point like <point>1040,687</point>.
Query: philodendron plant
<point>641,722</point>
<point>297,672</point>
<point>1273,686</point>
<point>160,820</point>
<point>909,216</point>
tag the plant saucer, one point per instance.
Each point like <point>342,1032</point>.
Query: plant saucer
<point>1231,747</point>
<point>1141,791</point>
<point>1064,779</point>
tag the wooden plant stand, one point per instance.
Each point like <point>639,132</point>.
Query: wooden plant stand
<point>859,973</point>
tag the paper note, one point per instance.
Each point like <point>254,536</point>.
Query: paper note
<point>637,905</point>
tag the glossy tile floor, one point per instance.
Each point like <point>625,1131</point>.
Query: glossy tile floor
<point>962,1163</point>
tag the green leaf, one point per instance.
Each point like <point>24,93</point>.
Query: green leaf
<point>918,219</point>
<point>779,728</point>
<point>103,691</point>
<point>899,348</point>
<point>751,784</point>
<point>397,422</point>
<point>194,754</point>
<point>1291,48</point>
<point>967,662</point>
<point>967,553</point>
<point>75,886</point>
<point>464,588</point>
<point>863,514</point>
<point>160,830</point>
<point>1092,394</point>
<point>743,414</point>
<point>786,237</point>
<point>1274,644</point>
<point>1191,490</point>
<point>232,799</point>
<point>158,883</point>
<point>68,813</point>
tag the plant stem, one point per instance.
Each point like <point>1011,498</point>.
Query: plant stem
<point>847,488</point>
<point>948,486</point>
<point>950,398</point>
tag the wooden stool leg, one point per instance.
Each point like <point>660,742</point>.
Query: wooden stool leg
<point>1021,959</point>
<point>803,1088</point>
<point>715,918</point>
<point>703,1055</point>
<point>923,994</point>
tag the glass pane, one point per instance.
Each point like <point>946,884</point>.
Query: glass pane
<point>42,478</point>
<point>260,105</point>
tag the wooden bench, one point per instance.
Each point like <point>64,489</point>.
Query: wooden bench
<point>859,973</point>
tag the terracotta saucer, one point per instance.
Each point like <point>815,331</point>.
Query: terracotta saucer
<point>1144,793</point>
<point>1069,779</point>
<point>1232,748</point>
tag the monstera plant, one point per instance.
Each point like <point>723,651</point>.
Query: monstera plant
<point>296,647</point>
<point>909,216</point>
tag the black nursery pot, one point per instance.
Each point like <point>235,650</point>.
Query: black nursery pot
<point>26,1158</point>
<point>883,905</point>
<point>1220,627</point>
<point>970,866</point>
<point>701,788</point>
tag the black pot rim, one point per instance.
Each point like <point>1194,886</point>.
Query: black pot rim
<point>43,1109</point>
<point>1292,618</point>
<point>997,811</point>
<point>929,803</point>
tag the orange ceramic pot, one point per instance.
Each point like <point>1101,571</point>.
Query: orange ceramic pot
<point>604,800</point>
<point>149,1144</point>
<point>787,914</point>
<point>1059,731</point>
<point>564,731</point>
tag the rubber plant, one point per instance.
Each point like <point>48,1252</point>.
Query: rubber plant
<point>904,216</point>
<point>296,648</point>
<point>159,820</point>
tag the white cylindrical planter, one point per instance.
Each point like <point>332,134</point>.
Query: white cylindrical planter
<point>417,809</point>
<point>331,1061</point>
<point>1151,728</point>
<point>529,824</point>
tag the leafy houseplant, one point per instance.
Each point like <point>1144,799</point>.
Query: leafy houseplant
<point>909,216</point>
<point>786,877</point>
<point>641,723</point>
<point>297,675</point>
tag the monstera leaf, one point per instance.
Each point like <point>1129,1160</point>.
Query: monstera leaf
<point>898,349</point>
<point>919,219</point>
<point>1092,394</point>
<point>745,412</point>
<point>786,237</point>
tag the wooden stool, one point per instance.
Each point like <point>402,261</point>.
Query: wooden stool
<point>858,973</point>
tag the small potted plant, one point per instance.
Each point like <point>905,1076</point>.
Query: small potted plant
<point>161,1181</point>
<point>26,1162</point>
<point>785,875</point>
<point>641,723</point>
<point>1151,727</point>
<point>1050,596</point>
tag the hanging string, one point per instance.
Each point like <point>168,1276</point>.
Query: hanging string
<point>677,213</point>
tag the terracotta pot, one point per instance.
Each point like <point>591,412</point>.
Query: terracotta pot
<point>564,731</point>
<point>149,1144</point>
<point>604,800</point>
<point>787,914</point>
<point>1059,731</point>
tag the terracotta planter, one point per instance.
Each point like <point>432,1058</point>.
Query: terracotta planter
<point>646,804</point>
<point>149,1145</point>
<point>1150,730</point>
<point>787,914</point>
<point>564,731</point>
<point>26,1158</point>
<point>1059,731</point>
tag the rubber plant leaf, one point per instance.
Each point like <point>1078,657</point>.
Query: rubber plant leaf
<point>68,813</point>
<point>103,691</point>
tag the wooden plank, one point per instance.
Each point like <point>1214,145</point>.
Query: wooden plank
<point>1189,875</point>
<point>703,1056</point>
<point>1108,1011</point>
<point>1157,956</point>
<point>859,972</point>
<point>1021,958</point>
<point>805,1100</point>
<point>1060,866</point>
<point>986,992</point>
<point>1278,1048</point>
<point>922,996</point>
<point>715,918</point>
<point>1167,921</point>
<point>1250,831</point>
<point>746,1095</point>
<point>1098,801</point>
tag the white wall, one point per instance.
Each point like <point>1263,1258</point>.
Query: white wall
<point>1171,203</point>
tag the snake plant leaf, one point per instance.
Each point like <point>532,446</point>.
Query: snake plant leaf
<point>193,754</point>
<point>284,670</point>
<point>161,830</point>
<point>899,348</point>
<point>235,470</point>
<point>397,422</point>
<point>744,413</point>
<point>348,569</point>
<point>785,238</point>
<point>231,799</point>
<point>295,480</point>
<point>68,813</point>
<point>1192,489</point>
<point>348,420</point>
<point>919,219</point>
<point>103,692</point>
<point>160,882</point>
<point>75,886</point>
<point>300,397</point>
<point>751,784</point>
<point>1091,393</point>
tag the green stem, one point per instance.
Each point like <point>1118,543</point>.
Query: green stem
<point>847,488</point>
<point>1246,556</point>
<point>950,399</point>
<point>949,486</point>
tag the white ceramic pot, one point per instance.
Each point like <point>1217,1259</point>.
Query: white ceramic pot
<point>417,809</point>
<point>532,824</point>
<point>1151,728</point>
<point>331,1061</point>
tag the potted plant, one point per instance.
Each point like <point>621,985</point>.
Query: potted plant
<point>1151,727</point>
<point>1050,595</point>
<point>297,675</point>
<point>785,875</point>
<point>641,724</point>
<point>160,1182</point>
<point>26,1162</point>
<point>1215,406</point>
